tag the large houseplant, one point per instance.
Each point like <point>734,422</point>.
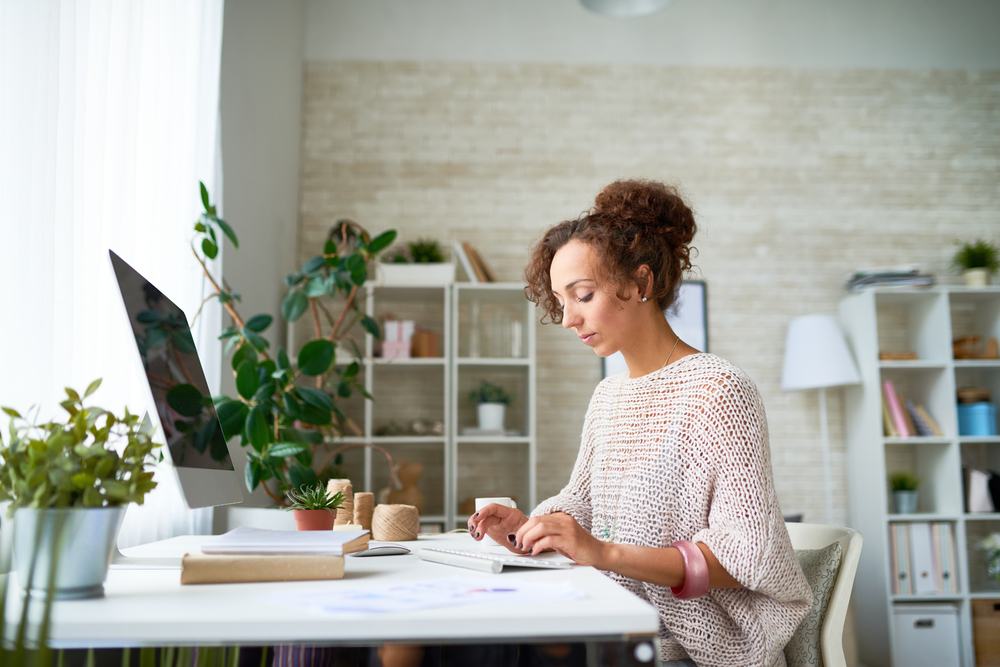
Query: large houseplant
<point>286,409</point>
<point>68,488</point>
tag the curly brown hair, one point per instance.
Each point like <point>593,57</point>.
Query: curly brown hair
<point>633,222</point>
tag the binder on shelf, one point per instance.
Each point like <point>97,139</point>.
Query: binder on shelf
<point>888,427</point>
<point>895,409</point>
<point>463,258</point>
<point>921,550</point>
<point>900,560</point>
<point>929,421</point>
<point>919,425</point>
<point>903,407</point>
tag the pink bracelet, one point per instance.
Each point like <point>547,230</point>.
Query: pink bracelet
<point>695,571</point>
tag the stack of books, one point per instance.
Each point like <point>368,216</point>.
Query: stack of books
<point>893,276</point>
<point>923,558</point>
<point>902,419</point>
<point>253,554</point>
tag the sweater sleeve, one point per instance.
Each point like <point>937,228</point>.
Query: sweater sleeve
<point>746,530</point>
<point>575,498</point>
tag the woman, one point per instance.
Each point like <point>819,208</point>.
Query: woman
<point>672,492</point>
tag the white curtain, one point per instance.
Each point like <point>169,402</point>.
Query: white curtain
<point>108,120</point>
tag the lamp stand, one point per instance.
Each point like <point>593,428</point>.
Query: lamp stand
<point>825,442</point>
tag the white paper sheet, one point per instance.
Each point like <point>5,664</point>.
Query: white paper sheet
<point>245,540</point>
<point>445,592</point>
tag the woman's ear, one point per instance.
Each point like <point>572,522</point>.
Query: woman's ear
<point>644,282</point>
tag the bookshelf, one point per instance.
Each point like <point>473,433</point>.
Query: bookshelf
<point>485,330</point>
<point>925,321</point>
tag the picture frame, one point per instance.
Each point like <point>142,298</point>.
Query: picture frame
<point>688,317</point>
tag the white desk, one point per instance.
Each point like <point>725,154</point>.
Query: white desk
<point>151,608</point>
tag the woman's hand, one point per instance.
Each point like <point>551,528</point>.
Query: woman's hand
<point>498,522</point>
<point>560,532</point>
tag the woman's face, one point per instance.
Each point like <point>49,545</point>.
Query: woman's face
<point>590,305</point>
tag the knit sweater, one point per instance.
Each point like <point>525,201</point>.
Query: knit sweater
<point>682,454</point>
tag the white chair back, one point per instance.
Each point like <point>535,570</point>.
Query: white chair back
<point>817,536</point>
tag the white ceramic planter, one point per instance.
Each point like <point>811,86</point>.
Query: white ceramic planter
<point>78,541</point>
<point>977,277</point>
<point>491,416</point>
<point>416,275</point>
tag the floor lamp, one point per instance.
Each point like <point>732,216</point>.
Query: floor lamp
<point>817,357</point>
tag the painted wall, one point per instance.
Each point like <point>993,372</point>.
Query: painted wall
<point>261,114</point>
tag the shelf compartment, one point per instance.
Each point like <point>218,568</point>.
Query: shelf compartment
<point>494,439</point>
<point>492,323</point>
<point>937,466</point>
<point>979,581</point>
<point>912,320</point>
<point>514,379</point>
<point>485,470</point>
<point>930,387</point>
<point>975,313</point>
<point>407,393</point>
<point>431,484</point>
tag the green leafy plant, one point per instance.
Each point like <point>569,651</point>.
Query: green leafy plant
<point>904,481</point>
<point>314,498</point>
<point>490,393</point>
<point>286,410</point>
<point>977,255</point>
<point>422,251</point>
<point>72,463</point>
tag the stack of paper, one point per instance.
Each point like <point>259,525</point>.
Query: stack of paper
<point>245,540</point>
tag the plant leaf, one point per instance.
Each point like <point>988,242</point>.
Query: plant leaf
<point>382,241</point>
<point>247,380</point>
<point>183,341</point>
<point>294,305</point>
<point>228,231</point>
<point>185,399</point>
<point>315,357</point>
<point>371,326</point>
<point>316,398</point>
<point>245,353</point>
<point>209,248</point>
<point>330,248</point>
<point>259,323</point>
<point>204,195</point>
<point>314,264</point>
<point>232,416</point>
<point>256,428</point>
<point>259,342</point>
<point>283,449</point>
<point>316,286</point>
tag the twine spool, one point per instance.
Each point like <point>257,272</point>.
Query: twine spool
<point>345,514</point>
<point>364,507</point>
<point>395,523</point>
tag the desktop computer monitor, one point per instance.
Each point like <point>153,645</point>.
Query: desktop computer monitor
<point>181,411</point>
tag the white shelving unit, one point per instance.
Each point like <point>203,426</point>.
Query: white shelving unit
<point>485,331</point>
<point>925,321</point>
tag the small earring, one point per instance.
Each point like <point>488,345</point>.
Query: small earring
<point>644,299</point>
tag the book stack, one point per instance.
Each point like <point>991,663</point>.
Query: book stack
<point>254,554</point>
<point>902,419</point>
<point>894,276</point>
<point>923,558</point>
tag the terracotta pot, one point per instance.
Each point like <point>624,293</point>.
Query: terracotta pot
<point>314,519</point>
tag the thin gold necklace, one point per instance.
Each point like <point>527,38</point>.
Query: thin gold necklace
<point>608,532</point>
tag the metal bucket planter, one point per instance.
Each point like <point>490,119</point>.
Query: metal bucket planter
<point>79,541</point>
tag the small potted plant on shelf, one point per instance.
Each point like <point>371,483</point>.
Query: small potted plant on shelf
<point>420,262</point>
<point>313,507</point>
<point>492,401</point>
<point>977,261</point>
<point>69,489</point>
<point>904,491</point>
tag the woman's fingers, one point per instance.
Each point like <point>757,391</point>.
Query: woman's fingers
<point>497,521</point>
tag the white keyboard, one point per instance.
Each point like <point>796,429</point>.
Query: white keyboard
<point>487,562</point>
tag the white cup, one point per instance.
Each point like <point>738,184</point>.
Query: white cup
<point>487,542</point>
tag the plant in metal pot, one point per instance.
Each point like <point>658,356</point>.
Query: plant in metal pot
<point>904,491</point>
<point>314,507</point>
<point>286,413</point>
<point>68,486</point>
<point>492,401</point>
<point>977,260</point>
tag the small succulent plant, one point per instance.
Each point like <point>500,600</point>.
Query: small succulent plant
<point>313,498</point>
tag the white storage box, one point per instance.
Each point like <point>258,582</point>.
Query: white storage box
<point>925,635</point>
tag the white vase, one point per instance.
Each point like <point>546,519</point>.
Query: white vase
<point>491,416</point>
<point>977,277</point>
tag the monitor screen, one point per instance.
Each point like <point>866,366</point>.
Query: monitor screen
<point>184,415</point>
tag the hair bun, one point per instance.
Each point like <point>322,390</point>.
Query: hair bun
<point>648,204</point>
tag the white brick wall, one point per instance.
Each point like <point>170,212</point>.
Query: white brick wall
<point>797,177</point>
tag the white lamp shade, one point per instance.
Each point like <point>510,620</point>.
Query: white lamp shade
<point>816,355</point>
